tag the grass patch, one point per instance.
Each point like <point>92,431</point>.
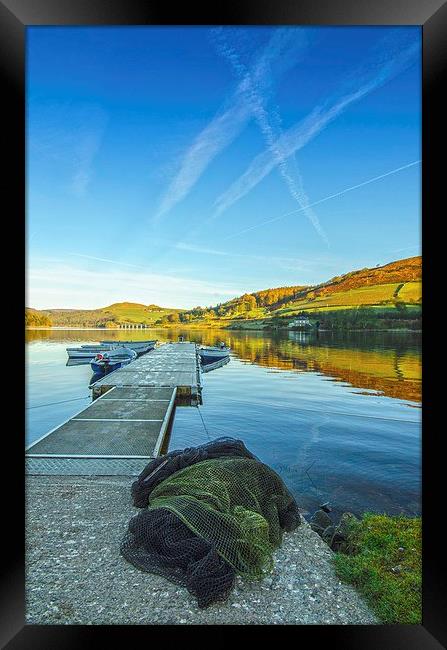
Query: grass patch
<point>386,566</point>
<point>411,291</point>
<point>369,295</point>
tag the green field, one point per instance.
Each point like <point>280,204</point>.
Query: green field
<point>382,294</point>
<point>411,292</point>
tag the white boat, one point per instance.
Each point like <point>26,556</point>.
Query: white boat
<point>140,347</point>
<point>89,351</point>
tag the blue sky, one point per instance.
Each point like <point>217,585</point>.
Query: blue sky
<point>185,166</point>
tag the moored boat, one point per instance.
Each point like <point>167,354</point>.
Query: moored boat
<point>140,347</point>
<point>212,365</point>
<point>105,362</point>
<point>213,353</point>
<point>89,351</point>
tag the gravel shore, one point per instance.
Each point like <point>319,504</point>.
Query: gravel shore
<point>76,575</point>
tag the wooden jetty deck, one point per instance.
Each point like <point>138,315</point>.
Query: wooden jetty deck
<point>126,423</point>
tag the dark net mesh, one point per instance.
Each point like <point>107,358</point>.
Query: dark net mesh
<point>211,514</point>
<point>160,468</point>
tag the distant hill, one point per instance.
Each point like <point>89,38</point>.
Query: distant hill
<point>392,291</point>
<point>111,316</point>
<point>396,285</point>
<point>35,318</point>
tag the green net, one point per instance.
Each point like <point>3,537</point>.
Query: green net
<point>208,513</point>
<point>238,505</point>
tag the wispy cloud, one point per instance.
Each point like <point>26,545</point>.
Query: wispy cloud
<point>302,264</point>
<point>105,259</point>
<point>415,247</point>
<point>391,60</point>
<point>192,248</point>
<point>281,52</point>
<point>324,199</point>
<point>69,136</point>
<point>269,123</point>
<point>52,285</point>
<point>88,137</point>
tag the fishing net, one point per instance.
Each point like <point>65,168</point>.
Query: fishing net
<point>209,520</point>
<point>163,466</point>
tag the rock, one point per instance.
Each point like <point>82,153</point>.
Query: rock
<point>340,543</point>
<point>328,534</point>
<point>325,507</point>
<point>320,521</point>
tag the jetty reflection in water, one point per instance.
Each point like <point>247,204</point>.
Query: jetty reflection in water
<point>384,362</point>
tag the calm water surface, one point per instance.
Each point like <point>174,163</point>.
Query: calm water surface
<point>338,416</point>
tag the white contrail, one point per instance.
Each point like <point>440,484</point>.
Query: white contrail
<point>87,139</point>
<point>270,129</point>
<point>105,259</point>
<point>302,133</point>
<point>283,50</point>
<point>326,198</point>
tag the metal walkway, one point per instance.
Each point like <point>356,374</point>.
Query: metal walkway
<point>125,426</point>
<point>120,426</point>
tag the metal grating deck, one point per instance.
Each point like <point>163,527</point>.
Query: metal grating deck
<point>53,466</point>
<point>121,426</point>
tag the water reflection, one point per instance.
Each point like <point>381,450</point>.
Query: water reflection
<point>329,413</point>
<point>214,365</point>
<point>386,363</point>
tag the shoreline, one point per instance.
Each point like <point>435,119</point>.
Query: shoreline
<point>217,327</point>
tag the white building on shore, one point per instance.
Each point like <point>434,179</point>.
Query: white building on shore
<point>301,321</point>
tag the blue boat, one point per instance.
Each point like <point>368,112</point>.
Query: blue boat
<point>103,363</point>
<point>212,365</point>
<point>209,354</point>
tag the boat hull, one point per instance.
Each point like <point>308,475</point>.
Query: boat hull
<point>90,351</point>
<point>104,366</point>
<point>208,355</point>
<point>101,367</point>
<point>138,346</point>
<point>212,365</point>
<point>85,353</point>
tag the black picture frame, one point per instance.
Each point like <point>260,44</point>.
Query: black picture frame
<point>15,17</point>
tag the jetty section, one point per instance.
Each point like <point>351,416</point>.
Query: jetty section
<point>127,422</point>
<point>170,365</point>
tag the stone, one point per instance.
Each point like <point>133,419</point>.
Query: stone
<point>340,538</point>
<point>328,534</point>
<point>338,543</point>
<point>320,521</point>
<point>346,521</point>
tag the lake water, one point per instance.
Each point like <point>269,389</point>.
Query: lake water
<point>337,416</point>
